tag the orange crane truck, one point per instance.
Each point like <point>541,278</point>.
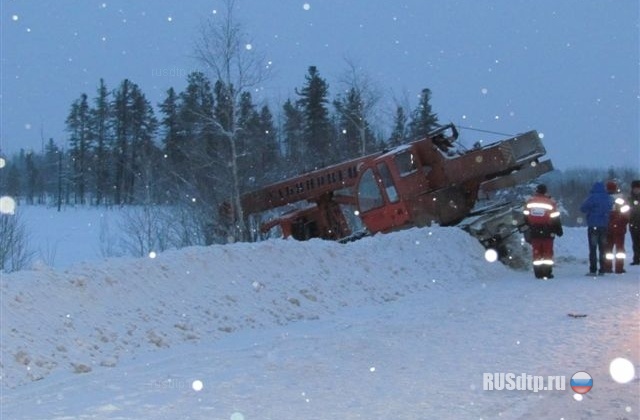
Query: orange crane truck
<point>429,180</point>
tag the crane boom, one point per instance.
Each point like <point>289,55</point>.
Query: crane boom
<point>312,185</point>
<point>308,186</point>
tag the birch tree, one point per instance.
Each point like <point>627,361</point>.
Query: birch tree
<point>224,48</point>
<point>358,106</point>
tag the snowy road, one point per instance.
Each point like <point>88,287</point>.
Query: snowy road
<point>419,357</point>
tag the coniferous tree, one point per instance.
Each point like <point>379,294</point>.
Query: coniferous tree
<point>79,128</point>
<point>102,142</point>
<point>399,133</point>
<point>359,104</point>
<point>171,133</point>
<point>192,153</point>
<point>134,125</point>
<point>121,131</point>
<point>197,137</point>
<point>256,142</point>
<point>248,142</point>
<point>173,146</point>
<point>293,135</point>
<point>423,120</point>
<point>356,138</point>
<point>35,182</point>
<point>144,154</point>
<point>313,100</point>
<point>52,154</point>
<point>269,151</point>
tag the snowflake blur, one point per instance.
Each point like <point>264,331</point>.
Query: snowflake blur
<point>197,385</point>
<point>7,205</point>
<point>491,255</point>
<point>622,370</point>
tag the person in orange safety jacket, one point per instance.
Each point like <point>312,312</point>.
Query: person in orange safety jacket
<point>543,219</point>
<point>634,220</point>
<point>616,231</point>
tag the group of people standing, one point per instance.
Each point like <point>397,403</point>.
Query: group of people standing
<point>607,212</point>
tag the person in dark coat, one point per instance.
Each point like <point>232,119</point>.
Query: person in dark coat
<point>597,207</point>
<point>634,220</point>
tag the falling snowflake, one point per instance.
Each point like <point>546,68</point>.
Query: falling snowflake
<point>15,18</point>
<point>169,19</point>
<point>248,47</point>
<point>197,385</point>
<point>306,6</point>
<point>3,162</point>
<point>622,370</point>
<point>484,91</point>
<point>491,255</point>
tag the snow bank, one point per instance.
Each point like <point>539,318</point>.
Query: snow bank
<point>93,315</point>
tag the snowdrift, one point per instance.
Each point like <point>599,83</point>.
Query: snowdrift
<point>93,315</point>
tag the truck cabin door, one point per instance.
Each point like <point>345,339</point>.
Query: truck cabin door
<point>379,204</point>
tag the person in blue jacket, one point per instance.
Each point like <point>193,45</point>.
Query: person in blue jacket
<point>597,207</point>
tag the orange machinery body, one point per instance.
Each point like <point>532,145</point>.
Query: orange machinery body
<point>416,184</point>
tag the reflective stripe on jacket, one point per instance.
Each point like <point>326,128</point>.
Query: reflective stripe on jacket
<point>542,216</point>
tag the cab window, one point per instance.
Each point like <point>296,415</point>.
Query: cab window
<point>369,195</point>
<point>387,181</point>
<point>406,162</point>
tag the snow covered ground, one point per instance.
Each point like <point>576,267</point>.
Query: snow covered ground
<point>398,326</point>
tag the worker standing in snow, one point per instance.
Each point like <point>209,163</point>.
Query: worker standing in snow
<point>617,229</point>
<point>634,220</point>
<point>597,207</point>
<point>543,219</point>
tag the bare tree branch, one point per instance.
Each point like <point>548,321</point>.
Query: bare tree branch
<point>225,49</point>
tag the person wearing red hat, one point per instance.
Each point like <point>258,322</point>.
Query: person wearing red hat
<point>616,231</point>
<point>543,219</point>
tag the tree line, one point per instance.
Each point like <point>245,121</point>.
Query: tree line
<point>200,147</point>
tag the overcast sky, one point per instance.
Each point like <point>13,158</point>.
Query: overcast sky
<point>568,68</point>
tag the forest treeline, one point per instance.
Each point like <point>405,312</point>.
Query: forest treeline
<point>120,150</point>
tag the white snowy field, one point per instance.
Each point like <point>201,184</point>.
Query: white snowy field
<point>401,326</point>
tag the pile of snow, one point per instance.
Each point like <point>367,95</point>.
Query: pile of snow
<point>399,326</point>
<point>93,314</point>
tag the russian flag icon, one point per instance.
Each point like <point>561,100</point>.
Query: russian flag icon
<point>581,382</point>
